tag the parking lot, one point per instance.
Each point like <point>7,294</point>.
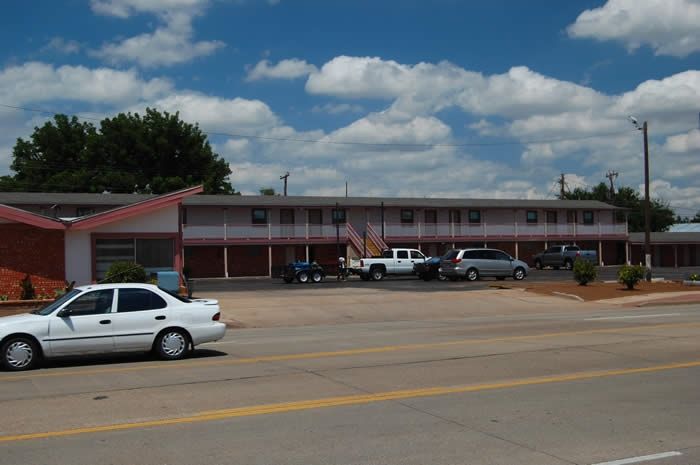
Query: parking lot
<point>401,283</point>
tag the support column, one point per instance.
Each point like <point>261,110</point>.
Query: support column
<point>269,261</point>
<point>307,253</point>
<point>627,253</point>
<point>517,252</point>
<point>675,256</point>
<point>225,262</point>
<point>600,253</point>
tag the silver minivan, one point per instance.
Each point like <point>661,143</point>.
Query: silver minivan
<point>471,264</point>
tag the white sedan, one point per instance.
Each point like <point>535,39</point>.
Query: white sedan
<point>106,318</point>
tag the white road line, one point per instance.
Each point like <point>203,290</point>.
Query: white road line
<point>641,458</point>
<point>629,317</point>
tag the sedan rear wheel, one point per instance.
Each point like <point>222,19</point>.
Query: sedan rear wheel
<point>173,344</point>
<point>19,353</point>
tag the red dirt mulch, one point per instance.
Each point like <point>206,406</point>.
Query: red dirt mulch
<point>600,290</point>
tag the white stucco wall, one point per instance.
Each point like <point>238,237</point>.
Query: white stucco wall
<point>78,244</point>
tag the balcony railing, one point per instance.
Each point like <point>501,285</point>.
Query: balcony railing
<point>237,232</point>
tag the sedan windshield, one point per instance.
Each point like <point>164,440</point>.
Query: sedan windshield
<point>50,307</point>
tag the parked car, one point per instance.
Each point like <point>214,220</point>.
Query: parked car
<point>559,256</point>
<point>472,264</point>
<point>429,270</point>
<point>303,272</point>
<point>106,318</point>
<point>392,262</point>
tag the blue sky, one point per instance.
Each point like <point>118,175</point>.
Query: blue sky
<point>475,99</point>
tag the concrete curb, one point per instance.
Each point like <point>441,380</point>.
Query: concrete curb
<point>568,296</point>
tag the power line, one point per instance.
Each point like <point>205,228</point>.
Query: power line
<point>368,144</point>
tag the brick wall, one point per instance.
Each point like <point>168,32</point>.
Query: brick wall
<point>248,260</point>
<point>205,261</point>
<point>29,250</point>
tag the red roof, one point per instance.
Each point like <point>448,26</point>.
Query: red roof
<point>33,219</point>
<point>98,219</point>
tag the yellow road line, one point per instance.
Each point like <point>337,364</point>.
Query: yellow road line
<point>267,409</point>
<point>337,353</point>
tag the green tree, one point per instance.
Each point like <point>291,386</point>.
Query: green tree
<point>267,191</point>
<point>662,216</point>
<point>127,153</point>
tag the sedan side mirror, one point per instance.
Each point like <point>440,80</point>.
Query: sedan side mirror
<point>64,313</point>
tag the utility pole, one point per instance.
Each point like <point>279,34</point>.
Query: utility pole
<point>647,201</point>
<point>562,186</point>
<point>647,206</point>
<point>346,189</point>
<point>286,175</point>
<point>612,175</point>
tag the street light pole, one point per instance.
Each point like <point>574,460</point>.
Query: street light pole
<point>647,201</point>
<point>647,206</point>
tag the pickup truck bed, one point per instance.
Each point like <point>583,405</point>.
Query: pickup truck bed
<point>564,256</point>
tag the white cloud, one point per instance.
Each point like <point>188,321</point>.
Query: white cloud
<point>61,45</point>
<point>39,82</point>
<point>127,8</point>
<point>682,143</point>
<point>218,114</point>
<point>337,108</point>
<point>168,45</point>
<point>292,68</point>
<point>679,197</point>
<point>669,27</point>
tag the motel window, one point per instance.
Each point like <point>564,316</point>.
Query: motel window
<point>551,217</point>
<point>587,217</point>
<point>531,216</point>
<point>475,216</point>
<point>259,216</point>
<point>315,216</point>
<point>406,216</point>
<point>338,215</point>
<point>153,254</point>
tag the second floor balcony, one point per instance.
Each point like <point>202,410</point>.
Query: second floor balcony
<point>268,233</point>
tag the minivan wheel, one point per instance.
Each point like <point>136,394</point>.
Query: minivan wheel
<point>472,274</point>
<point>20,353</point>
<point>519,274</point>
<point>377,274</point>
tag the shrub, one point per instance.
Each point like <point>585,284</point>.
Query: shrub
<point>694,277</point>
<point>630,275</point>
<point>125,272</point>
<point>584,272</point>
<point>4,298</point>
<point>28,292</point>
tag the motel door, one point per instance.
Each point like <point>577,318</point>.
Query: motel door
<point>287,222</point>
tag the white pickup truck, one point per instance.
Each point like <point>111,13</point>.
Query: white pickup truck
<point>392,261</point>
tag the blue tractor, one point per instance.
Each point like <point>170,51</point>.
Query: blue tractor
<point>303,272</point>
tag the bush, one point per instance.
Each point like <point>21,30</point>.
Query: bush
<point>630,275</point>
<point>584,272</point>
<point>694,277</point>
<point>125,272</point>
<point>4,298</point>
<point>28,292</point>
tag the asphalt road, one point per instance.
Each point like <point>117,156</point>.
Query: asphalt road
<point>578,386</point>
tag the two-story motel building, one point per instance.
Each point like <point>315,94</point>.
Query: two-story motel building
<point>229,236</point>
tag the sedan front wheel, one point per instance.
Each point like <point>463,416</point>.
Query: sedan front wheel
<point>20,353</point>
